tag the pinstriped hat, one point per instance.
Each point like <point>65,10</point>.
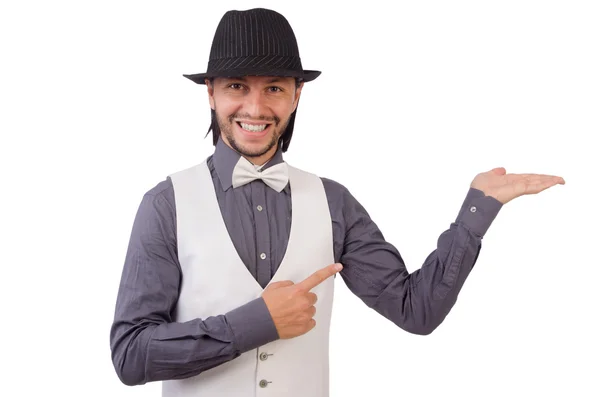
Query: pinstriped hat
<point>256,42</point>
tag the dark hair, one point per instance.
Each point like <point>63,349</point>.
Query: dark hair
<point>284,140</point>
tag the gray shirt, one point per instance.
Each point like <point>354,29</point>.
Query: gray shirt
<point>148,345</point>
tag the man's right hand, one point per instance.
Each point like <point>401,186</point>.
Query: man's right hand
<point>292,306</point>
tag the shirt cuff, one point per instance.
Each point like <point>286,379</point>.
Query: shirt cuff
<point>252,325</point>
<point>478,211</point>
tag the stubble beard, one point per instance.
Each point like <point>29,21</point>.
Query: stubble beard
<point>226,127</point>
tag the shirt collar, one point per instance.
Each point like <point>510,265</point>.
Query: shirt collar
<point>225,158</point>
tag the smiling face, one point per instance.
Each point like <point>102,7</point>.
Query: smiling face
<point>253,112</point>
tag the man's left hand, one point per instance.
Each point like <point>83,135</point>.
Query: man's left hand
<point>505,187</point>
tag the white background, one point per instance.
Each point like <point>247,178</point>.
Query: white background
<point>413,102</point>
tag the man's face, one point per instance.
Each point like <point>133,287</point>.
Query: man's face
<point>253,112</point>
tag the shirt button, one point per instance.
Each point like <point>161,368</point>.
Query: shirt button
<point>473,209</point>
<point>263,356</point>
<point>263,383</point>
<point>263,256</point>
<point>259,207</point>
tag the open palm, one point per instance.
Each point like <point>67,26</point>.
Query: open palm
<point>505,187</point>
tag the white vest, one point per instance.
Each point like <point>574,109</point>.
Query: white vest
<point>215,281</point>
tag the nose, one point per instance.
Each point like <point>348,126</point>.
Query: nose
<point>254,104</point>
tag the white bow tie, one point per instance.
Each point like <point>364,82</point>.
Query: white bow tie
<point>275,176</point>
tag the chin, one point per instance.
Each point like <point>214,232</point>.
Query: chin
<point>251,148</point>
<point>251,143</point>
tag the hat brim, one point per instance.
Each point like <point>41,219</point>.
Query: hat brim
<point>304,75</point>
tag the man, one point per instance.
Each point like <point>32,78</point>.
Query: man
<point>227,287</point>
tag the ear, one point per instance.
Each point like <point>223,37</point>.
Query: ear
<point>211,93</point>
<point>297,95</point>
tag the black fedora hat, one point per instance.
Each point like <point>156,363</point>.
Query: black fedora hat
<point>256,42</point>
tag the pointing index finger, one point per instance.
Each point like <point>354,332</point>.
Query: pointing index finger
<point>319,276</point>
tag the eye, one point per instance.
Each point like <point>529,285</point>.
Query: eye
<point>274,89</point>
<point>235,86</point>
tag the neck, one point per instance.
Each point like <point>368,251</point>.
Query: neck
<point>261,159</point>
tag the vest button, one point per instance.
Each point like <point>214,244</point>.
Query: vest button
<point>263,356</point>
<point>263,383</point>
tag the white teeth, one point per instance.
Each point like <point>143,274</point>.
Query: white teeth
<point>253,128</point>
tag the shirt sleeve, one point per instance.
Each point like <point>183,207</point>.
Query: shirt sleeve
<point>374,270</point>
<point>146,343</point>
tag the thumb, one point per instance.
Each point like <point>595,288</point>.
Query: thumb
<point>499,171</point>
<point>279,284</point>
